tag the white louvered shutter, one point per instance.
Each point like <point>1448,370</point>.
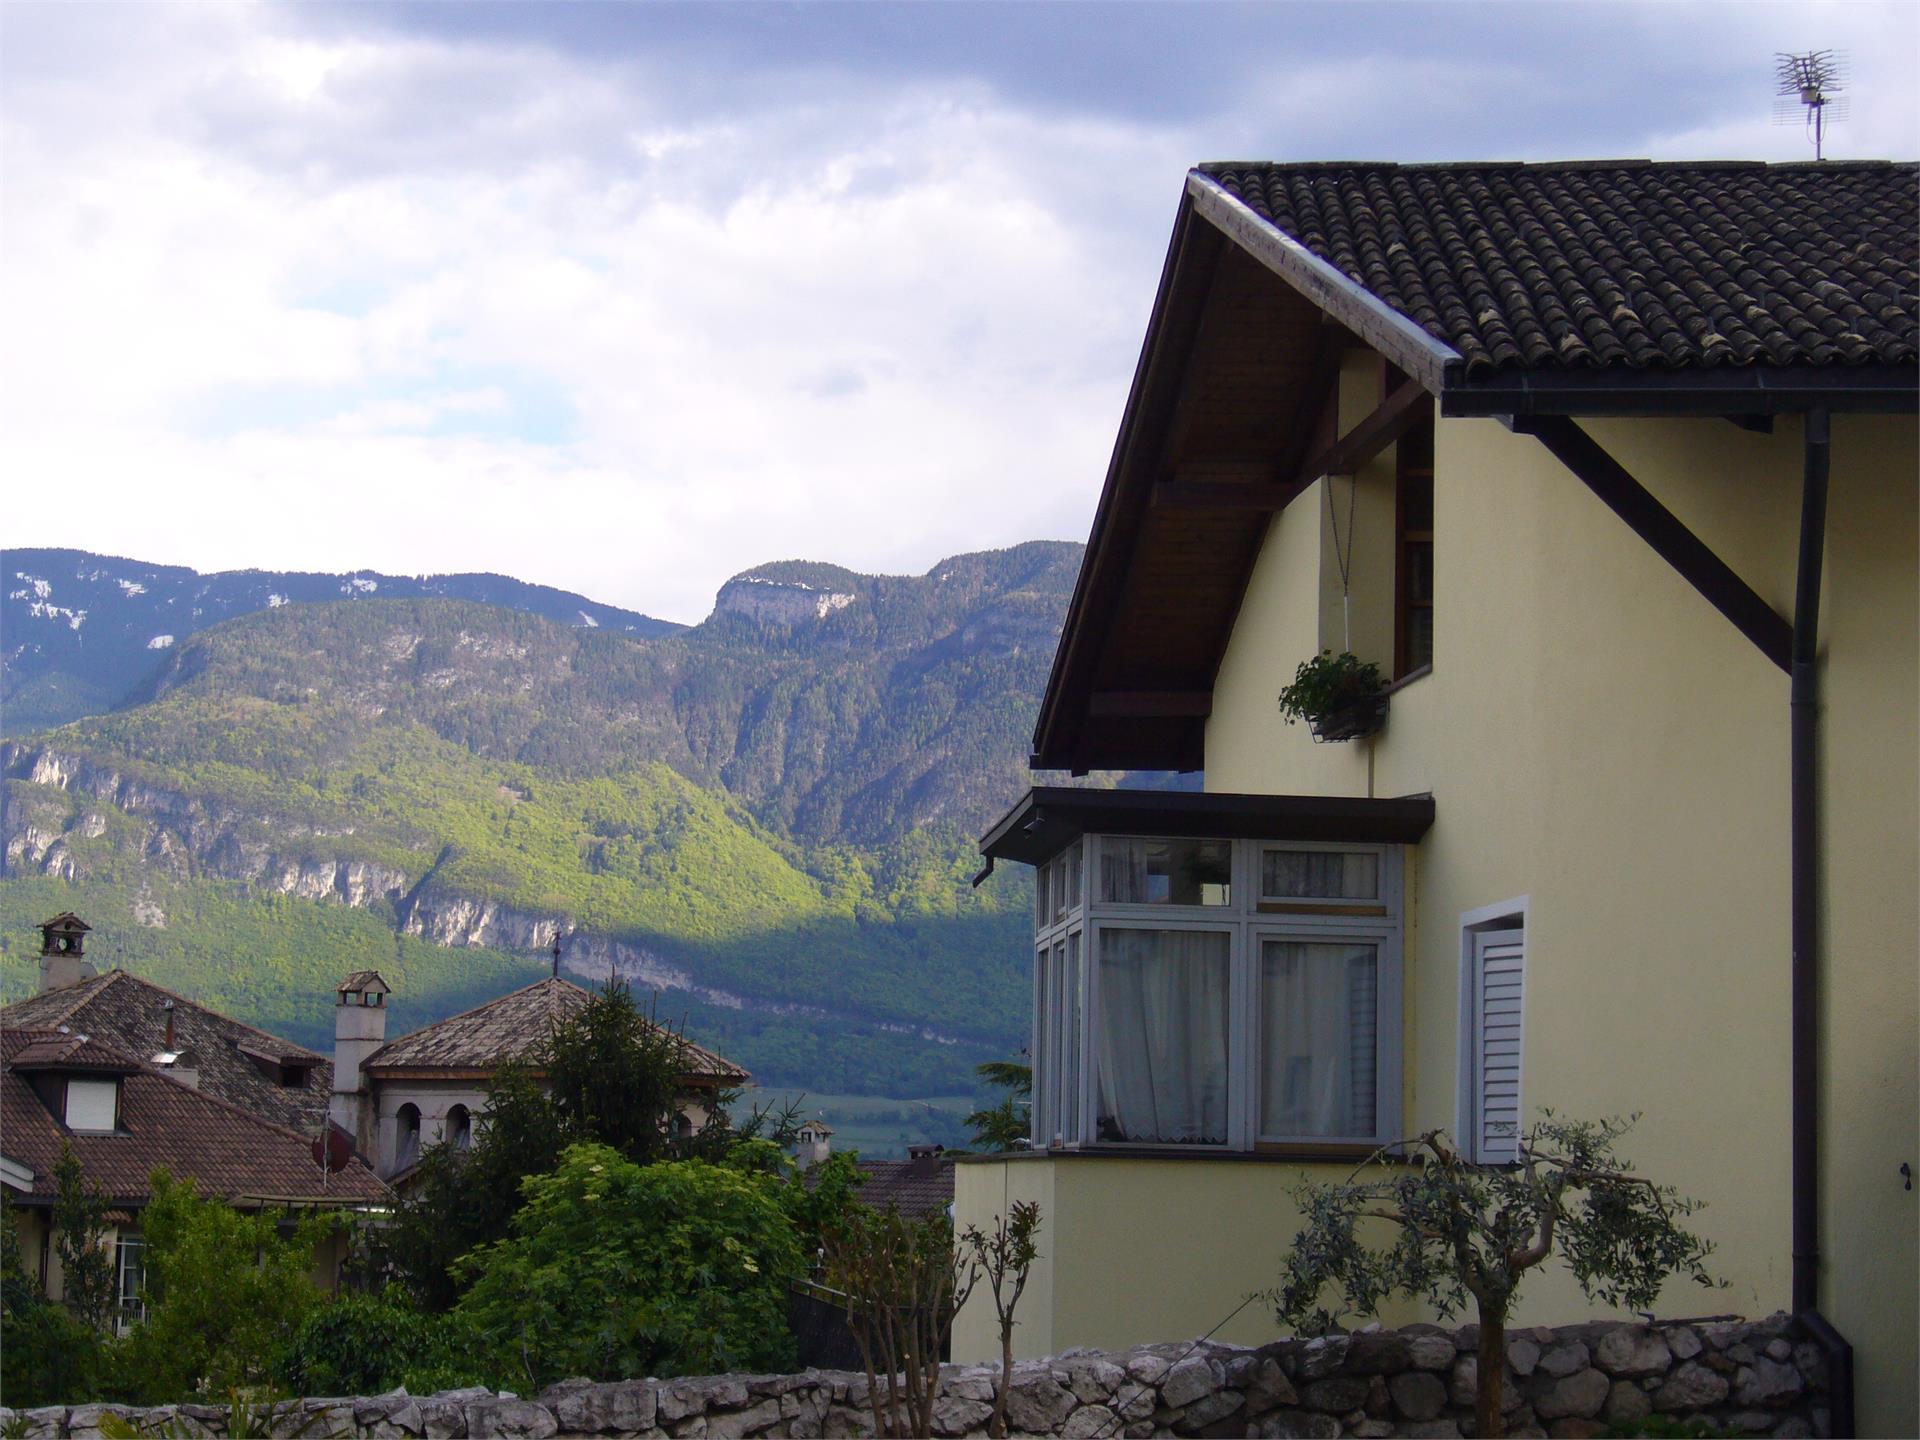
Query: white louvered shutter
<point>1499,973</point>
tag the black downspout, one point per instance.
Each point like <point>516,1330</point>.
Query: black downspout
<point>1805,865</point>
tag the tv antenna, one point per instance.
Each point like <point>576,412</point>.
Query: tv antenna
<point>1809,92</point>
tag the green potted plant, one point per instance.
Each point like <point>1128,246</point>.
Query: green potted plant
<point>1337,695</point>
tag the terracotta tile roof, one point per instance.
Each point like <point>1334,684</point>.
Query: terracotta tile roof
<point>1632,264</point>
<point>511,1028</point>
<point>126,1011</point>
<point>919,1186</point>
<point>227,1151</point>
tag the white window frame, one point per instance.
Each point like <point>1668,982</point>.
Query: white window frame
<point>1246,926</point>
<point>129,1310</point>
<point>1474,923</point>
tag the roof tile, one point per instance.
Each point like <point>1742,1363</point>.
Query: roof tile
<point>1632,264</point>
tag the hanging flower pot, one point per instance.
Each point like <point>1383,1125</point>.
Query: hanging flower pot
<point>1354,720</point>
<point>1337,695</point>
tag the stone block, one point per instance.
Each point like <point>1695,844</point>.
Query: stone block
<point>956,1415</point>
<point>1322,1357</point>
<point>519,1418</point>
<point>1378,1352</point>
<point>1266,1386</point>
<point>1187,1382</point>
<point>1523,1355</point>
<point>1090,1421</point>
<point>1094,1381</point>
<point>623,1407</point>
<point>1209,1412</point>
<point>1569,1357</point>
<point>1573,1428</point>
<point>1336,1394</point>
<point>1683,1341</point>
<point>1748,1422</point>
<point>1038,1403</point>
<point>1795,1427</point>
<point>1627,1404</point>
<point>1300,1425</point>
<point>1430,1352</point>
<point>1691,1387</point>
<point>1579,1396</point>
<point>1767,1383</point>
<point>1779,1349</point>
<point>443,1419</point>
<point>1374,1429</point>
<point>1148,1368</point>
<point>1633,1350</point>
<point>756,1419</point>
<point>1432,1430</point>
<point>1418,1395</point>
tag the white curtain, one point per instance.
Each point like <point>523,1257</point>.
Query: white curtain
<point>1319,1030</point>
<point>1163,1036</point>
<point>1319,875</point>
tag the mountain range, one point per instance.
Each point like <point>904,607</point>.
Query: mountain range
<point>766,818</point>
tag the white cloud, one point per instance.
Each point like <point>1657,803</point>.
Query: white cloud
<point>286,298</point>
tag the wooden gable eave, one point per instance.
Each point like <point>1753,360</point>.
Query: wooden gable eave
<point>1230,404</point>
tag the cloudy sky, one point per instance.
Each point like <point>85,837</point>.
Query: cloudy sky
<point>629,298</point>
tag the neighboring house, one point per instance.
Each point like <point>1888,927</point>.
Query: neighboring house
<point>431,1086</point>
<point>261,1073</point>
<point>124,1119</point>
<point>1562,448</point>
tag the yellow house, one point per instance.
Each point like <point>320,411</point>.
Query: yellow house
<point>1611,469</point>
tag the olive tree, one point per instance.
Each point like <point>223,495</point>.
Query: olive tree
<point>1448,1229</point>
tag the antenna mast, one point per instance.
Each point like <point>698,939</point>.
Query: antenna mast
<point>1814,81</point>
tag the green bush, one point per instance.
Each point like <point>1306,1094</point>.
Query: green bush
<point>1325,683</point>
<point>46,1355</point>
<point>617,1269</point>
<point>226,1293</point>
<point>368,1344</point>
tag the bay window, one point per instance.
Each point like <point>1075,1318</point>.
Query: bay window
<point>1217,994</point>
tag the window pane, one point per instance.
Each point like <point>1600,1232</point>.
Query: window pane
<point>1043,1049</point>
<point>1163,1036</point>
<point>92,1104</point>
<point>1042,908</point>
<point>1073,876</point>
<point>1165,872</point>
<point>1070,1069</point>
<point>1419,638</point>
<point>1319,1011</point>
<point>1319,875</point>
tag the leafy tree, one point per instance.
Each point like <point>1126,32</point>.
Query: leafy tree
<point>1005,1126</point>
<point>904,1281</point>
<point>46,1355</point>
<point>617,1269</point>
<point>1006,1258</point>
<point>80,1229</point>
<point>1456,1229</point>
<point>613,1077</point>
<point>226,1292</point>
<point>367,1344</point>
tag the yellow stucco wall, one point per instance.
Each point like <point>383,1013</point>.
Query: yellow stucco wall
<point>1600,740</point>
<point>1137,1250</point>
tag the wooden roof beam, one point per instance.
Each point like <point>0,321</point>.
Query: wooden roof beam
<point>1151,704</point>
<point>1406,407</point>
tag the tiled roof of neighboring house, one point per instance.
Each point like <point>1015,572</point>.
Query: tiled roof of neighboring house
<point>1633,263</point>
<point>510,1028</point>
<point>227,1151</point>
<point>919,1186</point>
<point>65,1051</point>
<point>233,1059</point>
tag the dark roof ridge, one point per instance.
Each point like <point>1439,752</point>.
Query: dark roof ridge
<point>1209,167</point>
<point>106,980</point>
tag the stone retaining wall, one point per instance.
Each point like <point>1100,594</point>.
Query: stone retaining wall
<point>1745,1378</point>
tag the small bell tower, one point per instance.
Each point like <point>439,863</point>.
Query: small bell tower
<point>63,951</point>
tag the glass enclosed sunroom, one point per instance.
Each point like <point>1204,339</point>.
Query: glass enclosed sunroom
<point>1214,973</point>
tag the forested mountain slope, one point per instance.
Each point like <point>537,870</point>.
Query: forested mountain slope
<point>768,816</point>
<point>78,630</point>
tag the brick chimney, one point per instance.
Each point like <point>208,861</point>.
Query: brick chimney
<point>359,1029</point>
<point>63,952</point>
